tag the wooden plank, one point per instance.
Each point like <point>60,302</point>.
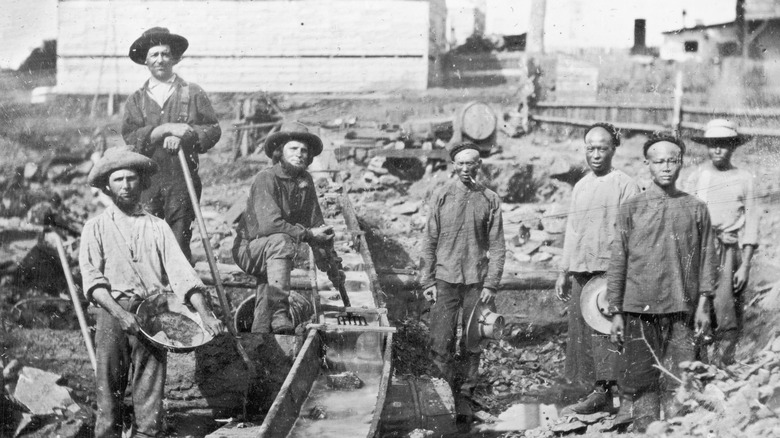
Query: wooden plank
<point>437,154</point>
<point>641,127</point>
<point>287,406</point>
<point>351,220</point>
<point>384,384</point>
<point>742,112</point>
<point>565,104</point>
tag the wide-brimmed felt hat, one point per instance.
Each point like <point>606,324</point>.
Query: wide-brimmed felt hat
<point>290,131</point>
<point>721,132</point>
<point>157,36</point>
<point>594,304</point>
<point>117,158</point>
<point>484,323</point>
<point>462,146</point>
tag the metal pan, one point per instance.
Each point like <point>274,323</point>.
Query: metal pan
<point>167,322</point>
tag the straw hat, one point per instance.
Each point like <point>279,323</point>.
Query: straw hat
<point>721,132</point>
<point>483,324</point>
<point>594,305</point>
<point>157,36</point>
<point>119,158</point>
<point>290,131</point>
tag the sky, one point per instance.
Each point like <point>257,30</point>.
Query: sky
<point>25,24</point>
<point>605,23</point>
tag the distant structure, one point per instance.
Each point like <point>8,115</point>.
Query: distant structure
<point>700,43</point>
<point>754,34</point>
<point>240,46</point>
<point>464,19</point>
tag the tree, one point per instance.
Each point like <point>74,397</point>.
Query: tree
<point>535,40</point>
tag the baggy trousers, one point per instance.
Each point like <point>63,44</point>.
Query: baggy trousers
<point>169,199</point>
<point>590,356</point>
<point>123,358</point>
<point>667,337</point>
<point>727,306</point>
<point>443,330</point>
<point>253,256</point>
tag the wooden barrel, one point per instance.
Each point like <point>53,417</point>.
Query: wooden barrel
<point>477,121</point>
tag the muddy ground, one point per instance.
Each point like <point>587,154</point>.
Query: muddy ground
<point>528,363</point>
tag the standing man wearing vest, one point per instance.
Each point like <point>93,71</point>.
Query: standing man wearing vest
<point>165,114</point>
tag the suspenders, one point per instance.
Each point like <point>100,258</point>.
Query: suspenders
<point>184,103</point>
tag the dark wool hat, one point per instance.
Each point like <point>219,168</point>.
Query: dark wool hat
<point>721,132</point>
<point>290,131</point>
<point>613,132</point>
<point>461,147</point>
<point>157,36</point>
<point>661,138</point>
<point>117,158</point>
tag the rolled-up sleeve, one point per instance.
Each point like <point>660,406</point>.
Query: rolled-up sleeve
<point>430,243</point>
<point>618,265</point>
<point>135,132</point>
<point>750,234</point>
<point>92,260</point>
<point>182,277</point>
<point>205,125</point>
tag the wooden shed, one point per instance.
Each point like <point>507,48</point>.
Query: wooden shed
<point>244,46</point>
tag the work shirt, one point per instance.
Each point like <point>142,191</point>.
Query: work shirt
<point>280,203</point>
<point>731,199</point>
<point>464,241</point>
<point>590,228</point>
<point>663,256</point>
<point>159,90</point>
<point>143,114</point>
<point>134,254</point>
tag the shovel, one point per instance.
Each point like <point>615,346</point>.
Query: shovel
<point>250,366</point>
<point>74,296</point>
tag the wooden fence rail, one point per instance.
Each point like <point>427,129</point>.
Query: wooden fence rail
<point>758,122</point>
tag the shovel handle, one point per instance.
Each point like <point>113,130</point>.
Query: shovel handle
<point>204,236</point>
<point>74,296</point>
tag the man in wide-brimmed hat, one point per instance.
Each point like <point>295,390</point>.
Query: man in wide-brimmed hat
<point>127,255</point>
<point>660,279</point>
<point>167,114</point>
<point>729,193</point>
<point>595,200</point>
<point>463,257</point>
<point>282,210</point>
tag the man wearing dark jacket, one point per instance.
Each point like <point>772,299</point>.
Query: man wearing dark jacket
<point>168,113</point>
<point>283,210</point>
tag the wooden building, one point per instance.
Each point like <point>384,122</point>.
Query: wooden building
<point>700,43</point>
<point>244,46</point>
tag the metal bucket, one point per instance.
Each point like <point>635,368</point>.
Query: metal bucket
<point>167,322</point>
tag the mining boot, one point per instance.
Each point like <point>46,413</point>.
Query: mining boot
<point>278,272</point>
<point>639,411</point>
<point>596,401</point>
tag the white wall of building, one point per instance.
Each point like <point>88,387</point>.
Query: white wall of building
<point>303,46</point>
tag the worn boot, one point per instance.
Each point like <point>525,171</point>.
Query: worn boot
<point>725,348</point>
<point>597,401</point>
<point>278,272</point>
<point>638,410</point>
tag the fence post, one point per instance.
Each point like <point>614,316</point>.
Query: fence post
<point>677,110</point>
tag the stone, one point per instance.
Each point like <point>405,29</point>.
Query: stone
<point>39,391</point>
<point>539,236</point>
<point>521,257</point>
<point>407,208</point>
<point>389,180</point>
<point>657,428</point>
<point>540,257</point>
<point>554,219</point>
<point>347,381</point>
<point>569,426</point>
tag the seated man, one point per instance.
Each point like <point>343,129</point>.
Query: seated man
<point>661,276</point>
<point>127,255</point>
<point>282,210</point>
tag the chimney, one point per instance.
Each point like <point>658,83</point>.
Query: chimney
<point>639,34</point>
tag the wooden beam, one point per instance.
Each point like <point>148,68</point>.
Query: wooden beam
<point>640,127</point>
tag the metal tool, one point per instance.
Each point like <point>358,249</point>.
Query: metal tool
<point>347,318</point>
<point>75,298</point>
<point>204,235</point>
